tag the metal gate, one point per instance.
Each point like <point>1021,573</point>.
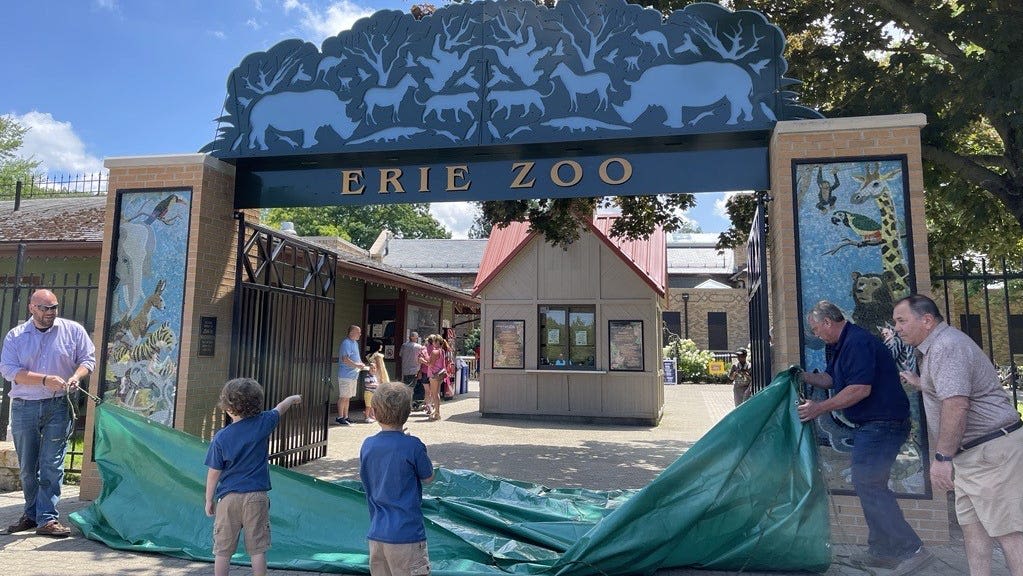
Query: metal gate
<point>985,300</point>
<point>284,332</point>
<point>759,316</point>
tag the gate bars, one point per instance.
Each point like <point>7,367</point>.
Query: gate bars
<point>283,333</point>
<point>1000,330</point>
<point>759,303</point>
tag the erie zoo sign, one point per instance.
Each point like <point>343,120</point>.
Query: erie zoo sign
<point>458,178</point>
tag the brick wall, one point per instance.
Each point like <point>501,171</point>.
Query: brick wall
<point>209,282</point>
<point>844,138</point>
<point>730,301</point>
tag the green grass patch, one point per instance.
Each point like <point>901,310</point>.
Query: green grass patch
<point>74,459</point>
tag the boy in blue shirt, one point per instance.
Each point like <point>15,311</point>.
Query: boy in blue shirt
<point>239,477</point>
<point>393,467</point>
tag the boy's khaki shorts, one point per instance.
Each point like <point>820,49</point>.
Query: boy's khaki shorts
<point>237,511</point>
<point>398,559</point>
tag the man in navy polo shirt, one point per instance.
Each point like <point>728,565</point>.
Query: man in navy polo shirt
<point>866,386</point>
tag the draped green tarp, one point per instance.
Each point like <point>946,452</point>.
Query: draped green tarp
<point>746,496</point>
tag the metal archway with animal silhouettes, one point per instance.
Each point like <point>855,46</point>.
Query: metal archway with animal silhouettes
<point>509,100</point>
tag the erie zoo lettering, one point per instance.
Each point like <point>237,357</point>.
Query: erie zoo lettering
<point>564,173</point>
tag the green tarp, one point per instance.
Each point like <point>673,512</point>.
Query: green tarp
<point>747,496</point>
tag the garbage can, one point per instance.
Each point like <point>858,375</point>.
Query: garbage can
<point>463,383</point>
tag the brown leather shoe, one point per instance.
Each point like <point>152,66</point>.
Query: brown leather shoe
<point>54,529</point>
<point>24,523</point>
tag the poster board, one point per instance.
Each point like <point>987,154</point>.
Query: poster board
<point>509,344</point>
<point>625,345</point>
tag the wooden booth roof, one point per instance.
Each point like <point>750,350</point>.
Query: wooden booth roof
<point>646,257</point>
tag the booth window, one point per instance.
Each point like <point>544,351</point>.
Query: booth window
<point>568,337</point>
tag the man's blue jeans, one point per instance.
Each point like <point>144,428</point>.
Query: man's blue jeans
<point>875,446</point>
<point>41,429</point>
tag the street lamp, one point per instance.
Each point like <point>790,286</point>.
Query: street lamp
<point>685,312</point>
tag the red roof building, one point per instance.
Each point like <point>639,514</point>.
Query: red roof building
<point>572,333</point>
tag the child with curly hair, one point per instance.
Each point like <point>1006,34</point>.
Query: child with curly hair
<point>239,477</point>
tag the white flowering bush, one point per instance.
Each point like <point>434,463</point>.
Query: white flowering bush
<point>691,362</point>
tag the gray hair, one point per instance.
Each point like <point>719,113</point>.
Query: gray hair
<point>825,310</point>
<point>921,305</point>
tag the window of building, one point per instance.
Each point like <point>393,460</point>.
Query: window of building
<point>1016,333</point>
<point>568,337</point>
<point>717,330</point>
<point>672,324</point>
<point>971,326</point>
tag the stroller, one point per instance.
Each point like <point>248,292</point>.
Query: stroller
<point>419,392</point>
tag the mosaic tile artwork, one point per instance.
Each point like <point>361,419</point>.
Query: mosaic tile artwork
<point>146,302</point>
<point>854,250</point>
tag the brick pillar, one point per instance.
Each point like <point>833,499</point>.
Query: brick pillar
<point>844,138</point>
<point>209,282</point>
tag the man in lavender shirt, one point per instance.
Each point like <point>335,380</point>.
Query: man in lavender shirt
<point>43,358</point>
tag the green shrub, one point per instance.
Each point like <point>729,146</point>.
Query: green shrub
<point>470,342</point>
<point>691,362</point>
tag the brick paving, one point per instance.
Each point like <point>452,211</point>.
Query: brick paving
<point>556,455</point>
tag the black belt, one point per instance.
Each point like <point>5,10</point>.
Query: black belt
<point>991,436</point>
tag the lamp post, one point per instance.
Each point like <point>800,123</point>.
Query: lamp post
<point>685,312</point>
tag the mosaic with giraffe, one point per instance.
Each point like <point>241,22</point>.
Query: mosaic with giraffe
<point>853,251</point>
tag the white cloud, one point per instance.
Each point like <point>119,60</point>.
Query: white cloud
<point>326,23</point>
<point>721,203</point>
<point>456,216</point>
<point>218,34</point>
<point>251,23</point>
<point>110,5</point>
<point>55,144</point>
<point>259,5</point>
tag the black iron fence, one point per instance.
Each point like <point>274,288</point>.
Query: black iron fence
<point>284,332</point>
<point>985,300</point>
<point>759,304</point>
<point>54,186</point>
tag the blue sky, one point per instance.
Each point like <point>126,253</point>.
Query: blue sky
<point>100,78</point>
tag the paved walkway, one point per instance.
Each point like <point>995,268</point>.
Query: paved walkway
<point>560,455</point>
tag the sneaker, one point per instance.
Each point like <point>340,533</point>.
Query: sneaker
<point>910,565</point>
<point>54,529</point>
<point>342,421</point>
<point>865,558</point>
<point>22,525</point>
<point>370,420</point>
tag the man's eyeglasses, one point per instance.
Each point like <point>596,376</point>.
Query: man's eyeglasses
<point>46,307</point>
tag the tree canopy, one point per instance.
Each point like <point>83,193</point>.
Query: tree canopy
<point>361,225</point>
<point>12,166</point>
<point>960,62</point>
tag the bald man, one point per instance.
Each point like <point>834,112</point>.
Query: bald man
<point>43,358</point>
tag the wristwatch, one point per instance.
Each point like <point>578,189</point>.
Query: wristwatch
<point>941,457</point>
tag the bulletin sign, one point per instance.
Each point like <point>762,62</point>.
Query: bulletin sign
<point>509,344</point>
<point>625,339</point>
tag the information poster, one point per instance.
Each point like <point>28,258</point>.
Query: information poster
<point>670,373</point>
<point>625,338</point>
<point>509,344</point>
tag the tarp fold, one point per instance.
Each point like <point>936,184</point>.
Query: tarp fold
<point>747,496</point>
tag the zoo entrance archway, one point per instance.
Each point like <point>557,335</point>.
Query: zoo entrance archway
<point>506,101</point>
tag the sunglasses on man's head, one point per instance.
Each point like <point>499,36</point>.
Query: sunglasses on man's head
<point>47,307</point>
